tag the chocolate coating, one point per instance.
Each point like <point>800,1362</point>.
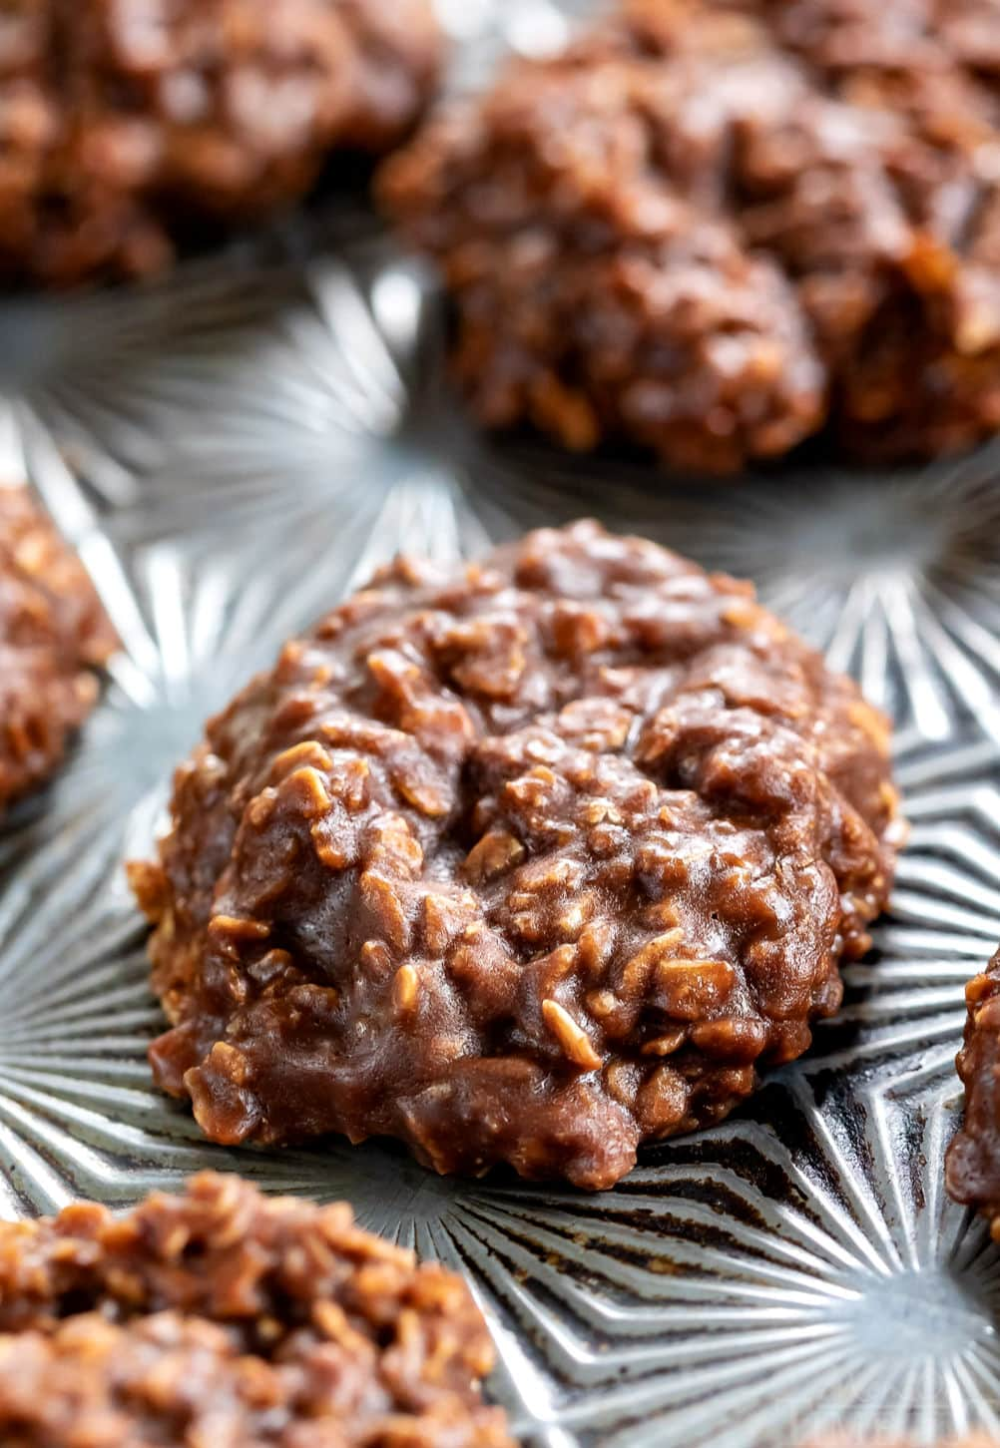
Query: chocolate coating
<point>223,1319</point>
<point>53,635</point>
<point>122,120</point>
<point>529,862</point>
<point>973,1165</point>
<point>715,228</point>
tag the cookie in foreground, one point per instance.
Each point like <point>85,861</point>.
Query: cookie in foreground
<point>125,124</point>
<point>223,1319</point>
<point>54,635</point>
<point>531,860</point>
<point>715,227</point>
<point>973,1170</point>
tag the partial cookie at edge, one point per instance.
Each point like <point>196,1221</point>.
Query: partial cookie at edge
<point>973,1163</point>
<point>222,1317</point>
<point>54,635</point>
<point>125,127</point>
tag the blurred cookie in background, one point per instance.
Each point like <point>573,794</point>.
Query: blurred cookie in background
<point>716,229</point>
<point>54,636</point>
<point>125,124</point>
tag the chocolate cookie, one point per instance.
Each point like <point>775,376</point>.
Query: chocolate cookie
<point>121,122</point>
<point>973,1169</point>
<point>225,1319</point>
<point>531,861</point>
<point>53,635</point>
<point>714,228</point>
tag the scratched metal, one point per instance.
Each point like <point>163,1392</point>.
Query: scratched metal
<point>230,451</point>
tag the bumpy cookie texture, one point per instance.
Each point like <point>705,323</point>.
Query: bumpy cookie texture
<point>53,636</point>
<point>528,862</point>
<point>973,1170</point>
<point>714,228</point>
<point>221,1319</point>
<point>124,120</point>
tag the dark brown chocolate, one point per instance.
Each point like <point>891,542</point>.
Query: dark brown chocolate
<point>529,862</point>
<point>121,121</point>
<point>222,1319</point>
<point>53,636</point>
<point>715,228</point>
<point>973,1169</point>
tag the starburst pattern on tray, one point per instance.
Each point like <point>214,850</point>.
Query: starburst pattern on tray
<point>943,924</point>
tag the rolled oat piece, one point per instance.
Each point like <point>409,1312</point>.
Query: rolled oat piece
<point>973,1169</point>
<point>125,122</point>
<point>717,227</point>
<point>527,861</point>
<point>223,1319</point>
<point>54,636</point>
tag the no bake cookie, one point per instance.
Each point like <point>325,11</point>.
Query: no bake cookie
<point>529,861</point>
<point>53,636</point>
<point>715,228</point>
<point>221,1319</point>
<point>123,122</point>
<point>974,1154</point>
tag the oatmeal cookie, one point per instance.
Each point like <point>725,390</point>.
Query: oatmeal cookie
<point>715,228</point>
<point>54,635</point>
<point>220,1317</point>
<point>530,861</point>
<point>124,121</point>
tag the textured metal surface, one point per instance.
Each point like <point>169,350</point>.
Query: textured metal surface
<point>235,448</point>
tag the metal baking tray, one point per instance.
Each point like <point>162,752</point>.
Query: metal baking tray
<point>230,451</point>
